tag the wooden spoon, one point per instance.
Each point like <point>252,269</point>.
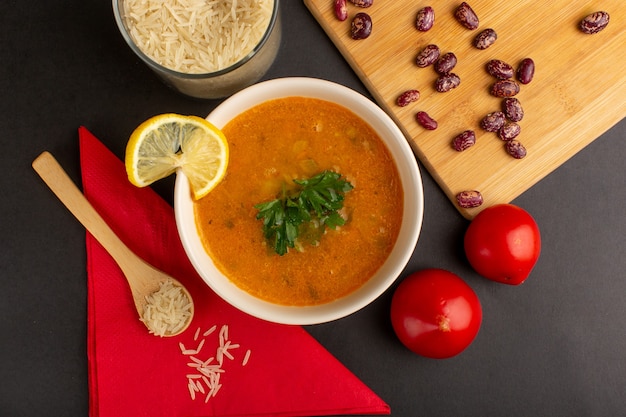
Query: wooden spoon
<point>143,278</point>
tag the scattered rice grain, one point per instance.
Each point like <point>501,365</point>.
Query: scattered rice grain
<point>223,334</point>
<point>246,358</point>
<point>200,387</point>
<point>199,348</point>
<point>197,361</point>
<point>211,330</point>
<point>207,378</point>
<point>192,390</point>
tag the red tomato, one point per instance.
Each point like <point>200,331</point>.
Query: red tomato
<point>503,243</point>
<point>435,313</point>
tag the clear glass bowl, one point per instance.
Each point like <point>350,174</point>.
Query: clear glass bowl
<point>218,84</point>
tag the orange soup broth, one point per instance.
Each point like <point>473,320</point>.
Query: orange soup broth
<point>294,138</point>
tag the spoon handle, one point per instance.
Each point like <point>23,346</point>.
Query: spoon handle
<point>64,188</point>
<point>142,277</point>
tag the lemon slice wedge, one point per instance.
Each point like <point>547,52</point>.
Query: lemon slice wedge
<point>168,142</point>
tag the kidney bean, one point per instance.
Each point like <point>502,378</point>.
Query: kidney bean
<point>499,69</point>
<point>362,3</point>
<point>445,63</point>
<point>425,19</point>
<point>505,88</point>
<point>464,141</point>
<point>485,39</point>
<point>515,149</point>
<point>594,23</point>
<point>407,97</point>
<point>469,199</point>
<point>361,26</point>
<point>512,108</point>
<point>447,82</point>
<point>426,121</point>
<point>509,131</point>
<point>493,121</point>
<point>526,71</point>
<point>427,56</point>
<point>466,16</point>
<point>341,10</point>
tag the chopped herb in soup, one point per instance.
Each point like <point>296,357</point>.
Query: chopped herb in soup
<point>275,148</point>
<point>315,204</point>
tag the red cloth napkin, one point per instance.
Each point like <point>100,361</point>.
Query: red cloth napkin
<point>226,364</point>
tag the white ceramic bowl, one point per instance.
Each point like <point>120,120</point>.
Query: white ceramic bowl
<point>411,221</point>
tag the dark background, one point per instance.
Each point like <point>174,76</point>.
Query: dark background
<point>555,346</point>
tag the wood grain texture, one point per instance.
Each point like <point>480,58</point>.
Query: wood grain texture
<point>578,92</point>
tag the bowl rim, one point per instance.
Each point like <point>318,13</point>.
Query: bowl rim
<point>412,219</point>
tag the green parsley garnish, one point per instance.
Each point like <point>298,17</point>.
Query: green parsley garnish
<point>316,199</point>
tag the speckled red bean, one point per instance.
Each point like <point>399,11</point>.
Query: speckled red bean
<point>362,3</point>
<point>505,88</point>
<point>515,149</point>
<point>466,16</point>
<point>341,10</point>
<point>493,121</point>
<point>526,71</point>
<point>361,26</point>
<point>469,199</point>
<point>446,63</point>
<point>509,131</point>
<point>426,121</point>
<point>447,82</point>
<point>464,141</point>
<point>407,97</point>
<point>425,19</point>
<point>512,109</point>
<point>485,39</point>
<point>594,23</point>
<point>427,56</point>
<point>499,69</point>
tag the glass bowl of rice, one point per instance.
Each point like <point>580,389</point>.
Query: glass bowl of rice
<point>205,49</point>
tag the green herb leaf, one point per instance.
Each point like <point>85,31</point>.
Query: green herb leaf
<point>319,197</point>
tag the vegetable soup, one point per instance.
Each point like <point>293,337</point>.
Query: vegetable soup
<point>289,139</point>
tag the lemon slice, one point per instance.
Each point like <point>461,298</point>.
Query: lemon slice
<point>167,142</point>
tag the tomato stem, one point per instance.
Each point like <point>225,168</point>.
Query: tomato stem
<point>443,323</point>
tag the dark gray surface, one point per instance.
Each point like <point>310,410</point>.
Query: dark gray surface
<point>554,346</point>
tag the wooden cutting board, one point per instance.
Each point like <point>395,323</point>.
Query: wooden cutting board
<point>578,92</point>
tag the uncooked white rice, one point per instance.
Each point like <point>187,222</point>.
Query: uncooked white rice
<point>197,36</point>
<point>206,378</point>
<point>167,310</point>
<point>246,358</point>
<point>211,330</point>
